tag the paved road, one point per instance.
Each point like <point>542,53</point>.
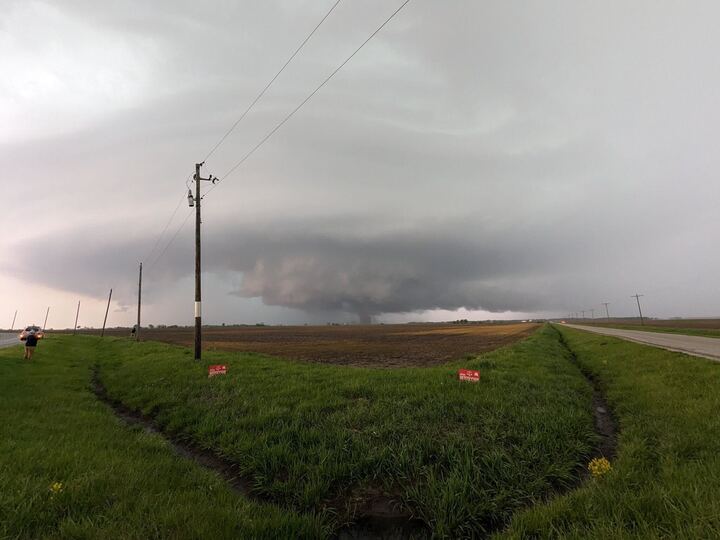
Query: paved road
<point>695,345</point>
<point>8,340</point>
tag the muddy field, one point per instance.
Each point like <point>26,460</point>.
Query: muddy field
<point>376,345</point>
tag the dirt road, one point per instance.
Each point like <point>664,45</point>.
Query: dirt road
<point>695,345</point>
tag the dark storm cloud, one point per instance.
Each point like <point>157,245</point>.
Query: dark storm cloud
<point>344,264</point>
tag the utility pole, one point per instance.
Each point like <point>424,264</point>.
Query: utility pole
<point>46,316</point>
<point>592,313</point>
<point>607,313</point>
<point>77,314</point>
<point>12,327</point>
<point>637,297</point>
<point>195,201</point>
<point>583,312</point>
<point>137,330</point>
<point>106,314</point>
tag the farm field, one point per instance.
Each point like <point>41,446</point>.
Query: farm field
<point>690,327</point>
<point>327,444</point>
<point>317,447</point>
<point>356,345</point>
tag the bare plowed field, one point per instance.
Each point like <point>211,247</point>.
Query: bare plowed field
<point>372,346</point>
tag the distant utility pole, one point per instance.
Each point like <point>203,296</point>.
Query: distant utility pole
<point>106,314</point>
<point>12,327</point>
<point>607,313</point>
<point>77,314</point>
<point>137,330</point>
<point>195,201</point>
<point>583,314</point>
<point>592,313</point>
<point>46,316</point>
<point>637,297</point>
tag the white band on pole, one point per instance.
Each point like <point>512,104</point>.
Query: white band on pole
<point>198,309</point>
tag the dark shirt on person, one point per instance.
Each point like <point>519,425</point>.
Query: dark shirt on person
<point>31,340</point>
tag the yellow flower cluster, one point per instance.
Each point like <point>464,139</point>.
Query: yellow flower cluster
<point>56,487</point>
<point>599,467</point>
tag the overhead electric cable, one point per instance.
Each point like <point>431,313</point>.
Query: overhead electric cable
<point>304,101</point>
<point>157,241</point>
<point>232,128</point>
<point>269,84</point>
<point>182,225</point>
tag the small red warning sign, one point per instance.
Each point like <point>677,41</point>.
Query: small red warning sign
<point>471,375</point>
<point>218,369</point>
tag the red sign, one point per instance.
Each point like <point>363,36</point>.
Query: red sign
<point>471,375</point>
<point>218,369</point>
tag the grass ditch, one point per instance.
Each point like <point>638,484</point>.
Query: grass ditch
<point>334,441</point>
<point>70,469</point>
<point>666,475</point>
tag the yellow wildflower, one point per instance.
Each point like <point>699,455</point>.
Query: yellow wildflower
<point>56,487</point>
<point>599,467</point>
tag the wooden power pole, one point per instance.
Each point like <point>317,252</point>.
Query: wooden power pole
<point>46,317</point>
<point>637,297</point>
<point>137,330</point>
<point>607,312</point>
<point>198,271</point>
<point>77,314</point>
<point>106,314</point>
<point>12,327</point>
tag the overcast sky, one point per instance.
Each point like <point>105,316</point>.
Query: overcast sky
<point>475,160</point>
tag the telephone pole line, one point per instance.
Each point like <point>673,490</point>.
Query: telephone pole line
<point>637,297</point>
<point>195,201</point>
<point>46,317</point>
<point>77,314</point>
<point>106,314</point>
<point>137,330</point>
<point>12,327</point>
<point>607,313</point>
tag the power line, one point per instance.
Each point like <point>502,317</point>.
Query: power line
<point>304,101</point>
<point>278,126</point>
<point>232,128</point>
<point>167,225</point>
<point>182,225</point>
<point>269,84</point>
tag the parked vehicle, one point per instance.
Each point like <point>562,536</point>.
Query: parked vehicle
<point>31,329</point>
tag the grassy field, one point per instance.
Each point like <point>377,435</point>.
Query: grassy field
<point>688,327</point>
<point>319,441</point>
<point>114,481</point>
<point>666,478</point>
<point>322,441</point>
<point>704,332</point>
<point>380,345</point>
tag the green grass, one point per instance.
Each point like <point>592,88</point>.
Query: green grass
<point>666,478</point>
<point>467,458</point>
<point>118,482</point>
<point>703,332</point>
<point>462,456</point>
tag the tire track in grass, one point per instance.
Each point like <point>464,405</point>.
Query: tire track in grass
<point>378,519</point>
<point>203,457</point>
<point>603,419</point>
<point>605,428</point>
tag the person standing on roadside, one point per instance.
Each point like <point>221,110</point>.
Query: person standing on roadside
<point>30,343</point>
